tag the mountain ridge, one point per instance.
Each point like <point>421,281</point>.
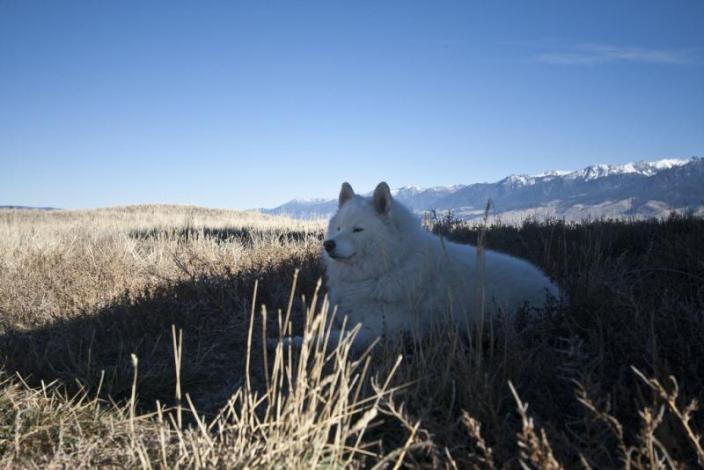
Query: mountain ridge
<point>638,189</point>
<point>29,208</point>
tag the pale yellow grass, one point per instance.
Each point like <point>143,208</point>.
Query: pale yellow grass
<point>54,264</point>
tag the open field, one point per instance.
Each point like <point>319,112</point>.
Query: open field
<point>130,337</point>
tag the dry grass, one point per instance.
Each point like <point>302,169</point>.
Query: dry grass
<point>57,264</point>
<point>133,337</point>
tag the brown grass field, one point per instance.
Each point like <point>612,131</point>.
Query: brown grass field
<point>133,337</point>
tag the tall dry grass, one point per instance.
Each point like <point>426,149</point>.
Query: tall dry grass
<point>134,337</point>
<point>56,264</point>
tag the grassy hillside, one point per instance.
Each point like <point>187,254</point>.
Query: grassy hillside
<point>131,337</point>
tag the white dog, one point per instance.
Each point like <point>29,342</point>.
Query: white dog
<point>388,274</point>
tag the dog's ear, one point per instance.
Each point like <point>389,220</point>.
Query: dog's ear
<point>346,193</point>
<point>382,198</point>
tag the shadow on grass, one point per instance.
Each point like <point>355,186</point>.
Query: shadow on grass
<point>94,348</point>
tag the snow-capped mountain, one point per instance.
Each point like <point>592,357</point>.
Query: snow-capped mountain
<point>641,168</point>
<point>637,189</point>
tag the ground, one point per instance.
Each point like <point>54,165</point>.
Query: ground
<point>131,336</point>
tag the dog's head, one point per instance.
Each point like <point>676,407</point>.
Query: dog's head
<point>366,230</point>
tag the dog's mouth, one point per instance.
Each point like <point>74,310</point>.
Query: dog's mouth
<point>340,258</point>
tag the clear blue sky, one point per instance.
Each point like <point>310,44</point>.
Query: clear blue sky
<point>249,104</point>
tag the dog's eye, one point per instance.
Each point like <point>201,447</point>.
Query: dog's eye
<point>357,230</point>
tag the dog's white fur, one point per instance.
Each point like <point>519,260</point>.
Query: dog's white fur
<point>393,276</point>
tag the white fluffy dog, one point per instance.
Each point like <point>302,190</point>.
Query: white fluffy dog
<point>388,274</point>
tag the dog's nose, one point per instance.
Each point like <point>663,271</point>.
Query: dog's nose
<point>329,245</point>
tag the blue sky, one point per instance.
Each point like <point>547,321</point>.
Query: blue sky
<point>249,104</point>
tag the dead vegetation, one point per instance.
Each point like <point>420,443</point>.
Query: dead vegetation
<point>132,337</point>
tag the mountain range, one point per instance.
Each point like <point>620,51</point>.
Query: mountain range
<point>633,190</point>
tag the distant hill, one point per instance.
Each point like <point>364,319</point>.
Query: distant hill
<point>639,189</point>
<point>27,208</point>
